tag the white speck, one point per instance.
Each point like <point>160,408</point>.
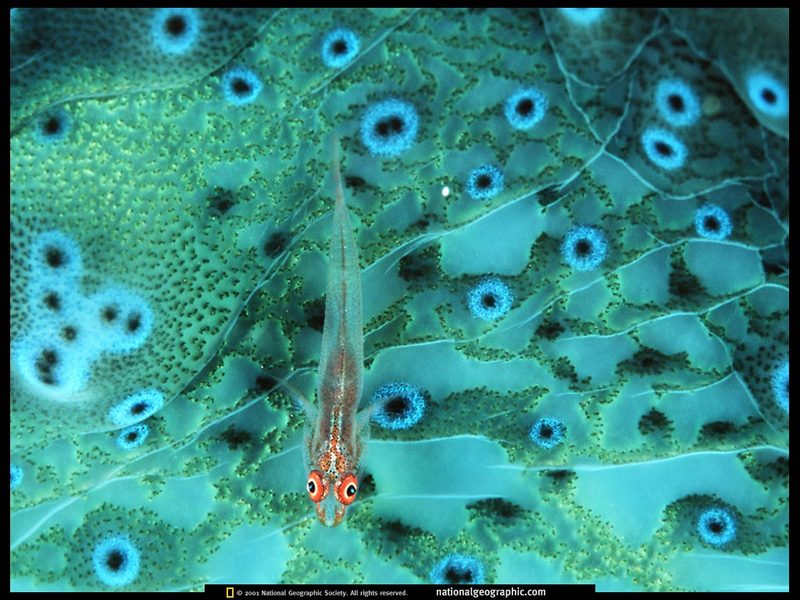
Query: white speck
<point>445,191</point>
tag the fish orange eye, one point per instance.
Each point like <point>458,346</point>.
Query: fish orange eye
<point>316,486</point>
<point>346,489</point>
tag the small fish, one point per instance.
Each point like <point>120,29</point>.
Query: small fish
<point>336,433</point>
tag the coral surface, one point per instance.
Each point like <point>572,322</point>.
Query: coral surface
<point>573,232</point>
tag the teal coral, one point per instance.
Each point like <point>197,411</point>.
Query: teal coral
<point>746,45</point>
<point>60,55</point>
<point>175,30</point>
<point>216,219</point>
<point>116,561</point>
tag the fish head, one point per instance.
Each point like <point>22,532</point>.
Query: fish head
<point>331,494</point>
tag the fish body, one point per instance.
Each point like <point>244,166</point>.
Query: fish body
<point>336,434</point>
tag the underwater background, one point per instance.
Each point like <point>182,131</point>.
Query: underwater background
<point>573,232</point>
